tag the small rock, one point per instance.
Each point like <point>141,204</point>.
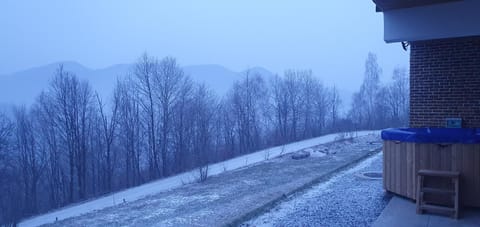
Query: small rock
<point>309,150</point>
<point>301,155</point>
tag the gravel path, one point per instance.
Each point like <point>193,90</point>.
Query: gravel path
<point>233,195</point>
<point>344,200</point>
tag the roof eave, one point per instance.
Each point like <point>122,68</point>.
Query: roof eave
<point>386,5</point>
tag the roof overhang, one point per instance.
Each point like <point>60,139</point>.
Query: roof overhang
<point>416,20</point>
<point>386,5</point>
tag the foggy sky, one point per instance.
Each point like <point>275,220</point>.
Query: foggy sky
<point>330,37</point>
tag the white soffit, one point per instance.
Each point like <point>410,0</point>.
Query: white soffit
<point>447,20</point>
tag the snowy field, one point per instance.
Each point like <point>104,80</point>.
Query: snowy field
<point>231,197</point>
<point>334,202</point>
<point>163,185</point>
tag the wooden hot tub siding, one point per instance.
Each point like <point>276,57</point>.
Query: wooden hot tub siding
<point>402,160</point>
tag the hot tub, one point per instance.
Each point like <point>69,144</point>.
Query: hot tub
<point>407,150</point>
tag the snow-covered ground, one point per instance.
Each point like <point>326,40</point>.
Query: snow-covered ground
<point>159,186</point>
<point>229,198</point>
<point>345,200</point>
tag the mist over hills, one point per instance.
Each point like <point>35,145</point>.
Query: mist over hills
<point>24,86</point>
<point>21,88</point>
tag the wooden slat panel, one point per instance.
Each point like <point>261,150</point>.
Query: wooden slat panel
<point>445,159</point>
<point>397,167</point>
<point>391,165</point>
<point>387,166</point>
<point>409,167</point>
<point>386,170</point>
<point>434,161</point>
<point>465,173</point>
<point>477,174</point>
<point>458,155</point>
<point>414,169</point>
<point>402,161</point>
<point>403,167</point>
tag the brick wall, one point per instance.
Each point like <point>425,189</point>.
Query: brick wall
<point>445,82</point>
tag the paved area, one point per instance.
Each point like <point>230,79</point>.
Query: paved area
<point>234,196</point>
<point>402,212</point>
<point>347,199</point>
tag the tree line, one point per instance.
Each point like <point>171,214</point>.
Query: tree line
<point>377,106</point>
<point>72,145</point>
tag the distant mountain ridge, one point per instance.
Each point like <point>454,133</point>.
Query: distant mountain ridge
<point>24,86</point>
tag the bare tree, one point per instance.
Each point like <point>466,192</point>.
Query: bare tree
<point>321,107</point>
<point>204,106</point>
<point>281,108</point>
<point>145,70</point>
<point>295,101</point>
<point>5,131</point>
<point>382,110</point>
<point>358,111</point>
<point>398,97</point>
<point>364,109</point>
<point>108,126</point>
<point>227,129</point>
<point>300,104</point>
<point>47,125</point>
<point>248,99</point>
<point>307,90</point>
<point>182,121</point>
<point>370,87</point>
<point>129,130</point>
<point>168,86</point>
<point>73,103</point>
<point>30,158</point>
<point>335,103</point>
<point>9,207</point>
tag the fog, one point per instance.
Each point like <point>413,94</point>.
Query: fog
<point>121,99</point>
<point>332,38</point>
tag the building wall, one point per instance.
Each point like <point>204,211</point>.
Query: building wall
<point>445,82</point>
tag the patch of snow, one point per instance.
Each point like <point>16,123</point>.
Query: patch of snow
<point>169,183</point>
<point>289,207</point>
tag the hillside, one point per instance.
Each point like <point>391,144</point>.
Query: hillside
<point>143,193</point>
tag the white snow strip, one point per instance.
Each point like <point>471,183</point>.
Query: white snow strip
<point>176,181</point>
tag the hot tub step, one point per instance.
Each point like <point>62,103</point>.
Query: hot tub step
<point>438,191</point>
<point>437,208</point>
<point>437,173</point>
<point>423,205</point>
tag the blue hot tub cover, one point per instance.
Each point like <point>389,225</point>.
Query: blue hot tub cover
<point>433,135</point>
